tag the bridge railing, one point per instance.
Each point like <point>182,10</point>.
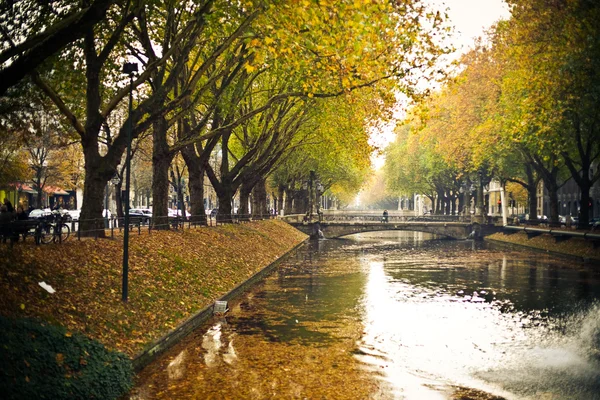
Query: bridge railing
<point>390,218</point>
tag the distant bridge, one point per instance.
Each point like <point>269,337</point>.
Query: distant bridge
<point>335,226</point>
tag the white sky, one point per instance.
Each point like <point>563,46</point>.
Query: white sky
<point>470,19</point>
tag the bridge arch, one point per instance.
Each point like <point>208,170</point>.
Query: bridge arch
<point>333,230</point>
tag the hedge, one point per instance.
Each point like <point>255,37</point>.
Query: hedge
<point>42,361</point>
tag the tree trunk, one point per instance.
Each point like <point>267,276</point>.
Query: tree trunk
<point>161,160</point>
<point>289,202</point>
<point>90,221</point>
<point>196,188</point>
<point>225,195</point>
<point>584,213</point>
<point>259,200</point>
<point>244,211</point>
<point>532,196</point>
<point>38,188</point>
<point>281,191</point>
<point>479,208</point>
<point>551,185</point>
<point>300,201</point>
<point>181,200</point>
<point>119,199</point>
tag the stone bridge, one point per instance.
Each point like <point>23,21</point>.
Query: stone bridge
<point>337,228</point>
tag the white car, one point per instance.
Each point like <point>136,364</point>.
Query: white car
<point>37,213</point>
<point>144,211</point>
<point>74,214</point>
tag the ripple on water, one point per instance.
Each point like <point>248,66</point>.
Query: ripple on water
<point>481,321</point>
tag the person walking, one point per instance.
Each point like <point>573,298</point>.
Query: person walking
<point>5,219</point>
<point>8,205</point>
<point>385,216</point>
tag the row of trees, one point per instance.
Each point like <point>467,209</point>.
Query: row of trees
<point>524,107</point>
<point>276,87</point>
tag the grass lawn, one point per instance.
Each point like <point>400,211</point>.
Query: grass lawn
<point>574,247</point>
<point>171,276</point>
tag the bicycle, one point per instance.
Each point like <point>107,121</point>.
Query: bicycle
<point>54,229</point>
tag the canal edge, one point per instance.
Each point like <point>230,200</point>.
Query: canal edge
<point>587,260</point>
<point>160,345</point>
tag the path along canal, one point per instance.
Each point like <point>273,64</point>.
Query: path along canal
<point>397,315</point>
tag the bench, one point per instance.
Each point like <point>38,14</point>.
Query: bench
<point>13,229</point>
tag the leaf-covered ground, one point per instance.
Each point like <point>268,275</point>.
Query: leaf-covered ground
<point>171,276</point>
<point>575,246</point>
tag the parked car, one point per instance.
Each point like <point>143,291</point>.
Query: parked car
<point>187,214</point>
<point>74,214</point>
<point>145,211</point>
<point>142,214</point>
<point>49,214</point>
<point>37,213</point>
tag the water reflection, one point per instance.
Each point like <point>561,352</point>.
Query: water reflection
<point>516,325</point>
<point>398,315</point>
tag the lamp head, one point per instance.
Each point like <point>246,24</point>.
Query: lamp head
<point>130,68</point>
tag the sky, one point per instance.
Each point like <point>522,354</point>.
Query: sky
<point>470,19</point>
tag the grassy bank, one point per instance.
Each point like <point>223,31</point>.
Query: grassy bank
<point>171,276</point>
<point>575,247</point>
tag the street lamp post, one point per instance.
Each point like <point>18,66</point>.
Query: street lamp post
<point>130,69</point>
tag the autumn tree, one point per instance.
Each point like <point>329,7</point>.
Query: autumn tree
<point>326,51</point>
<point>553,49</point>
<point>335,146</point>
<point>33,31</point>
<point>178,85</point>
<point>51,162</point>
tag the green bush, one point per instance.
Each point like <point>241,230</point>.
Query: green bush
<point>41,361</point>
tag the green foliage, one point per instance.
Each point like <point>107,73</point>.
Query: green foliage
<point>42,361</point>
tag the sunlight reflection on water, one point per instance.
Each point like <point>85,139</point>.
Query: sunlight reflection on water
<point>425,334</point>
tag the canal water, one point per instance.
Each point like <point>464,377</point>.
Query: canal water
<point>398,315</point>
